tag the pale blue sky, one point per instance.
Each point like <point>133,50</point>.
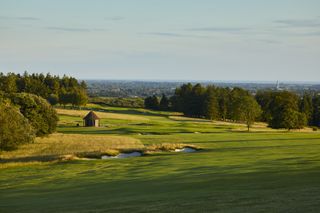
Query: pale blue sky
<point>263,40</point>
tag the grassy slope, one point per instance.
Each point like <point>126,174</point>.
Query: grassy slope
<point>237,172</point>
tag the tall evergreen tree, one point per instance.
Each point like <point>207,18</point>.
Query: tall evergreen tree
<point>211,105</point>
<point>306,107</point>
<point>316,111</point>
<point>152,102</point>
<point>164,103</point>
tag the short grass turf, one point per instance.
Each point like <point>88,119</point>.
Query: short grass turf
<point>235,172</point>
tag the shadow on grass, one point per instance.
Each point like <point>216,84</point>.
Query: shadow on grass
<point>40,158</point>
<point>124,131</point>
<point>120,111</point>
<point>120,131</point>
<point>256,140</point>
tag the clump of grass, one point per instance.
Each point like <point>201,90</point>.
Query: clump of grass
<point>167,147</point>
<point>132,150</point>
<point>97,154</point>
<point>68,157</point>
<point>93,155</point>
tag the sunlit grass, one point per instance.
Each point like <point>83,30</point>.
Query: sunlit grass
<point>53,147</point>
<point>235,171</point>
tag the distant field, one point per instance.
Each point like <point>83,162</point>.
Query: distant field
<point>237,171</point>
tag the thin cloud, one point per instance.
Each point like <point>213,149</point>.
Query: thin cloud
<point>311,34</point>
<point>174,35</point>
<point>219,29</point>
<point>72,29</point>
<point>164,34</point>
<point>269,41</point>
<point>115,18</point>
<point>303,23</point>
<point>21,18</point>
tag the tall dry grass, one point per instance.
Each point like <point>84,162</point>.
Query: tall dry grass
<point>56,145</point>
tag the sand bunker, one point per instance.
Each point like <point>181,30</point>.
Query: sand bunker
<point>186,149</point>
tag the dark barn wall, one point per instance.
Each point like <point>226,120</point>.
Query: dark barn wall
<point>90,122</point>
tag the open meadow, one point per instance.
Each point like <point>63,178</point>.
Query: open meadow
<point>263,170</point>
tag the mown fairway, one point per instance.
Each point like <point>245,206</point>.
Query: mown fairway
<point>260,171</point>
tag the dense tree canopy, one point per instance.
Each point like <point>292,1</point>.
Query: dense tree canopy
<point>26,105</point>
<point>216,103</point>
<point>65,90</point>
<point>38,111</point>
<point>250,110</point>
<point>15,129</point>
<point>280,109</point>
<point>152,102</point>
<point>164,103</point>
<point>315,119</point>
<point>211,105</point>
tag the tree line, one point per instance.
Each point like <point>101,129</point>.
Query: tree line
<point>26,109</point>
<point>286,109</point>
<point>280,109</point>
<point>57,90</point>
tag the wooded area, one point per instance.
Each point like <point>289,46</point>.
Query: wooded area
<point>280,109</point>
<point>26,105</point>
<point>63,91</point>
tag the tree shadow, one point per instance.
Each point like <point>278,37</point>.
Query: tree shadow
<point>39,158</point>
<point>132,111</point>
<point>258,140</point>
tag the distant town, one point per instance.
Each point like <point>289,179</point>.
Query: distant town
<point>127,88</point>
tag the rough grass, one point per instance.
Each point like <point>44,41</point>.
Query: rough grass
<point>53,147</point>
<point>75,146</point>
<point>237,171</point>
<point>168,147</point>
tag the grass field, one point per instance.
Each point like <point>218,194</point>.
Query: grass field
<point>260,171</point>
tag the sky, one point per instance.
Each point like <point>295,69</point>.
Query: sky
<point>212,40</point>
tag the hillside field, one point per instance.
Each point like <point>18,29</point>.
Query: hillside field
<point>263,170</point>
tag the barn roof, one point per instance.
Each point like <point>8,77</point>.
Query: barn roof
<point>91,115</point>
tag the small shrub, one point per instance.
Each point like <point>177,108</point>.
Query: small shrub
<point>97,154</point>
<point>169,146</point>
<point>94,155</point>
<point>111,152</point>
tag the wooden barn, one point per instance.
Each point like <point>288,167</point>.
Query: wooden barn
<point>91,119</point>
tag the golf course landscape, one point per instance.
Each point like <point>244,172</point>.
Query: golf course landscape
<point>233,170</point>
